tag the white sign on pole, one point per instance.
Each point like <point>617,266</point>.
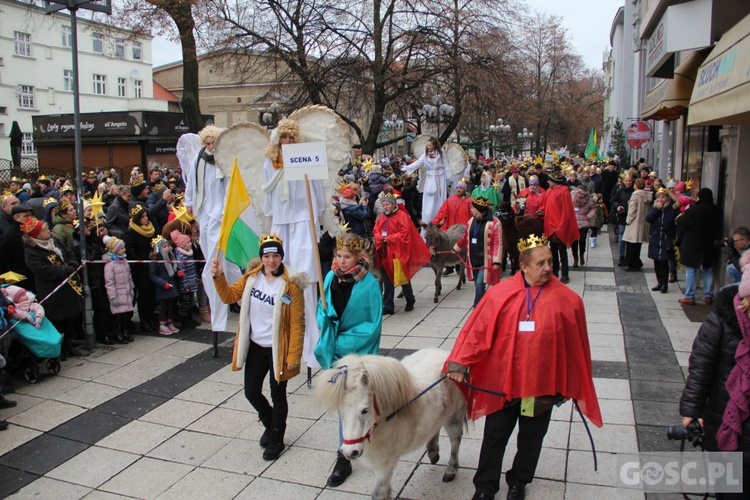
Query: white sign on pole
<point>305,158</point>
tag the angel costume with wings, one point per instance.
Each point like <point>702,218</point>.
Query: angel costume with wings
<point>281,205</point>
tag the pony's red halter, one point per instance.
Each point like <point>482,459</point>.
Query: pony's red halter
<point>366,436</point>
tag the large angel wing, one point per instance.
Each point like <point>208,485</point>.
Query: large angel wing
<point>247,142</point>
<point>188,146</point>
<point>319,123</point>
<point>456,157</point>
<point>418,147</point>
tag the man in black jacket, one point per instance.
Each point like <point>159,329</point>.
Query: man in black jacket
<point>118,213</point>
<point>620,199</point>
<point>698,231</point>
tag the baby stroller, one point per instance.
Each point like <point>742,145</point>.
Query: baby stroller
<point>32,347</point>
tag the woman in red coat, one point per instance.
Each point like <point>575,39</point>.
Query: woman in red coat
<point>484,237</point>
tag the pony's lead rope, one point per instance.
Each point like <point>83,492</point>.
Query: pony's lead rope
<point>463,262</point>
<point>393,414</point>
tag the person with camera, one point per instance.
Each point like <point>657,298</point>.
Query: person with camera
<point>734,248</point>
<point>714,400</point>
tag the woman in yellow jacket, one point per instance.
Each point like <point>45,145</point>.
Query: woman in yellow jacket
<point>271,333</point>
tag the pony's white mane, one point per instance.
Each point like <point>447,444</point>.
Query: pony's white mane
<point>386,378</point>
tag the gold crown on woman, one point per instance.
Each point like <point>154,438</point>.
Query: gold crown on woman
<point>62,207</point>
<point>350,243</point>
<point>134,211</point>
<point>270,238</point>
<point>481,201</point>
<point>49,201</point>
<point>532,241</point>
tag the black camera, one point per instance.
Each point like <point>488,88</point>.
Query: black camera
<point>692,433</point>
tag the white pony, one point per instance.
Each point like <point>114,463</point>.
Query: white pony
<point>366,390</point>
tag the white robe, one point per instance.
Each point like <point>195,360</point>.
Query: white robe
<point>290,220</point>
<point>209,214</point>
<point>435,182</point>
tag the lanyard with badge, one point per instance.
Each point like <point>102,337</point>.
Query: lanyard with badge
<point>475,231</point>
<point>529,326</point>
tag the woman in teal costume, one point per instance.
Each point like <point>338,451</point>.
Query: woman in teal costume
<point>487,190</point>
<point>351,321</point>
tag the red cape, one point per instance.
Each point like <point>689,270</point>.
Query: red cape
<point>554,359</point>
<point>559,216</point>
<point>455,210</point>
<point>397,238</point>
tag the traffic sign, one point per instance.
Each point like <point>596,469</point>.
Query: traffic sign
<point>639,133</point>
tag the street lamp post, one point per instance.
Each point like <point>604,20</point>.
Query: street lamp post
<point>525,137</point>
<point>499,129</point>
<point>440,112</point>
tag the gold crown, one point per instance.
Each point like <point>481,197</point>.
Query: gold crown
<point>481,201</point>
<point>134,211</point>
<point>15,179</point>
<point>138,182</point>
<point>270,238</point>
<point>155,241</point>
<point>181,214</point>
<point>29,224</point>
<point>43,178</point>
<point>49,201</point>
<point>351,243</point>
<point>389,196</point>
<point>62,207</point>
<point>532,241</point>
<point>662,190</point>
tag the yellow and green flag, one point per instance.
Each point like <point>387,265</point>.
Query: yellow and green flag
<point>239,237</point>
<point>590,152</point>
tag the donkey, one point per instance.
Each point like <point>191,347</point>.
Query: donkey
<point>514,228</point>
<point>380,419</point>
<point>441,245</point>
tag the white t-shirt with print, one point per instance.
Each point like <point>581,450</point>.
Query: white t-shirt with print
<point>262,300</point>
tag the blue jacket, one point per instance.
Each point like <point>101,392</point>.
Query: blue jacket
<point>157,271</point>
<point>356,216</point>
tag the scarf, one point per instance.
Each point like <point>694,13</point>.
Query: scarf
<point>48,245</point>
<point>277,178</point>
<point>146,231</point>
<point>738,387</point>
<point>116,258</point>
<point>354,274</point>
<point>171,266</point>
<point>207,156</point>
<point>188,253</point>
<point>278,163</point>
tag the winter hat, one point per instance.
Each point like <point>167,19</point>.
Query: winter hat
<point>179,239</point>
<point>461,184</point>
<point>137,188</point>
<point>533,180</point>
<point>113,244</point>
<point>32,227</point>
<point>349,194</point>
<point>671,184</point>
<point>271,243</point>
<point>15,293</point>
<point>705,194</point>
<point>26,186</point>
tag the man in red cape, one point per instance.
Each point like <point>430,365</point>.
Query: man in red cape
<point>528,340</point>
<point>560,224</point>
<point>455,210</point>
<point>398,245</point>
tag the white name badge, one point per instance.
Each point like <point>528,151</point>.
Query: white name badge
<point>473,241</point>
<point>526,326</point>
<point>286,299</point>
<point>577,209</point>
<point>384,233</point>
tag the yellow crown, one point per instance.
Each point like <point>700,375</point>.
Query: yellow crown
<point>480,201</point>
<point>49,201</point>
<point>134,211</point>
<point>532,241</point>
<point>388,196</point>
<point>15,179</point>
<point>138,182</point>
<point>662,190</point>
<point>62,207</point>
<point>270,238</point>
<point>350,242</point>
<point>155,241</point>
<point>43,178</point>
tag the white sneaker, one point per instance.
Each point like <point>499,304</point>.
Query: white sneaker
<point>164,330</point>
<point>593,242</point>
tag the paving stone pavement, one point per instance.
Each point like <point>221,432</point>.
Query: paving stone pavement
<point>161,418</point>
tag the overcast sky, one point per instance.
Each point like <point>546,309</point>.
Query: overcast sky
<point>587,21</point>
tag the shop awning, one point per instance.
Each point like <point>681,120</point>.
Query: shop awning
<point>721,95</point>
<point>670,99</point>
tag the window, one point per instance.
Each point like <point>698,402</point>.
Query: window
<point>137,88</point>
<point>27,144</point>
<point>2,129</point>
<point>68,79</point>
<point>120,48</point>
<point>100,84</point>
<point>26,96</point>
<point>121,87</point>
<point>23,44</point>
<point>98,40</point>
<point>67,37</point>
<point>137,51</point>
<point>3,110</point>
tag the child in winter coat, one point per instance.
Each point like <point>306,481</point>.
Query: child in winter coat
<point>164,277</point>
<point>25,306</point>
<point>119,285</point>
<point>187,278</point>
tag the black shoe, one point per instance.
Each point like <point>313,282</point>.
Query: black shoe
<point>516,492</point>
<point>656,288</point>
<point>106,340</point>
<point>621,263</point>
<point>400,295</point>
<point>147,327</point>
<point>121,338</point>
<point>266,437</point>
<point>565,280</point>
<point>341,471</point>
<point>3,425</point>
<point>387,312</point>
<point>673,276</point>
<point>74,352</point>
<point>276,444</point>
<point>6,403</point>
<point>482,495</point>
<point>409,306</point>
<point>448,271</point>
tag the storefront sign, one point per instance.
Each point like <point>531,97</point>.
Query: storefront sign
<point>161,148</point>
<point>91,125</point>
<point>639,133</point>
<point>682,27</point>
<point>307,158</point>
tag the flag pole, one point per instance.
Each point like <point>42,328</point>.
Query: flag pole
<point>316,251</point>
